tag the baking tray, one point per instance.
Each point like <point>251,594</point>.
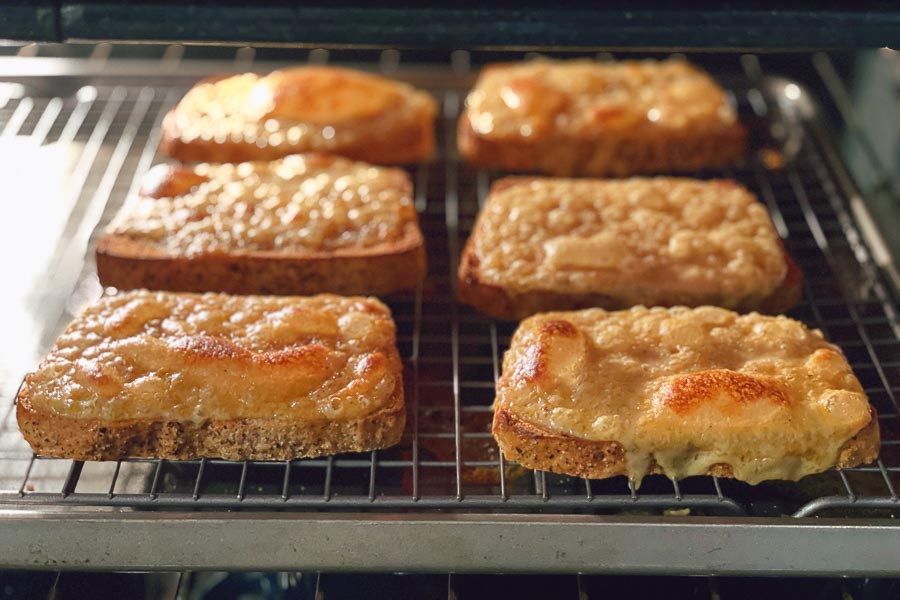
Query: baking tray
<point>81,132</point>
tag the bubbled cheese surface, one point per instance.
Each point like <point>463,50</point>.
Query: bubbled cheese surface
<point>303,203</point>
<point>298,109</point>
<point>189,357</point>
<point>585,99</point>
<point>639,240</point>
<point>687,388</point>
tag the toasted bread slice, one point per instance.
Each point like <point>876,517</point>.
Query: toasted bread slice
<point>183,376</point>
<point>582,117</point>
<point>316,108</point>
<point>682,392</point>
<point>304,224</point>
<point>561,244</point>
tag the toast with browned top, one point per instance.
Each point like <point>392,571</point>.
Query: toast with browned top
<point>301,109</point>
<point>560,244</point>
<point>303,224</point>
<point>184,376</point>
<point>583,117</point>
<point>682,392</point>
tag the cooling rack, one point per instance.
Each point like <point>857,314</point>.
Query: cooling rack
<point>95,125</point>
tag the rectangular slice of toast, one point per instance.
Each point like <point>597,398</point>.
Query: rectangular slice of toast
<point>184,376</point>
<point>682,392</point>
<point>560,244</point>
<point>304,224</point>
<point>582,117</point>
<point>301,109</point>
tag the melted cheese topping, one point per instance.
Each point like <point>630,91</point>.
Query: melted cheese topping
<point>639,241</point>
<point>190,357</point>
<point>298,204</point>
<point>688,388</point>
<point>585,99</point>
<point>300,109</point>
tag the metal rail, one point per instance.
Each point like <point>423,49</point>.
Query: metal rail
<point>472,543</point>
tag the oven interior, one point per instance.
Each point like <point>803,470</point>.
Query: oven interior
<point>79,124</point>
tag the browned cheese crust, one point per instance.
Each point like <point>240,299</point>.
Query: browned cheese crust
<point>181,376</point>
<point>681,392</point>
<point>250,117</point>
<point>582,117</point>
<point>238,230</point>
<point>518,230</point>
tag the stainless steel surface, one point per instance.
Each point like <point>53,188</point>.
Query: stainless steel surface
<point>81,134</point>
<point>430,542</point>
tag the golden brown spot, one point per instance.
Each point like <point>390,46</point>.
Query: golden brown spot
<point>536,100</point>
<point>686,393</point>
<point>164,181</point>
<point>324,95</point>
<point>371,363</point>
<point>824,355</point>
<point>312,355</point>
<point>93,374</point>
<point>207,347</point>
<point>371,308</point>
<point>609,113</point>
<point>533,363</point>
<point>559,327</point>
<point>531,366</point>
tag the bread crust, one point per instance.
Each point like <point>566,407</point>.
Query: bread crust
<point>630,155</point>
<point>128,264</point>
<point>497,302</point>
<point>502,303</point>
<point>235,439</point>
<point>535,447</point>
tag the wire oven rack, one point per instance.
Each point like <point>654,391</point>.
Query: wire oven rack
<point>106,115</point>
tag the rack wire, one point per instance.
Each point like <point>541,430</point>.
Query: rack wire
<point>107,130</point>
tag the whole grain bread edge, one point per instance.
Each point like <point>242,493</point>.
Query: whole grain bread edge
<point>126,264</point>
<point>499,303</point>
<point>232,439</point>
<point>536,448</point>
<point>628,156</point>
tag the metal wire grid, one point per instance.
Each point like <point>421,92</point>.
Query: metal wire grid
<point>452,354</point>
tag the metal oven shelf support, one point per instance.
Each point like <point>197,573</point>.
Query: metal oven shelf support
<point>473,543</point>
